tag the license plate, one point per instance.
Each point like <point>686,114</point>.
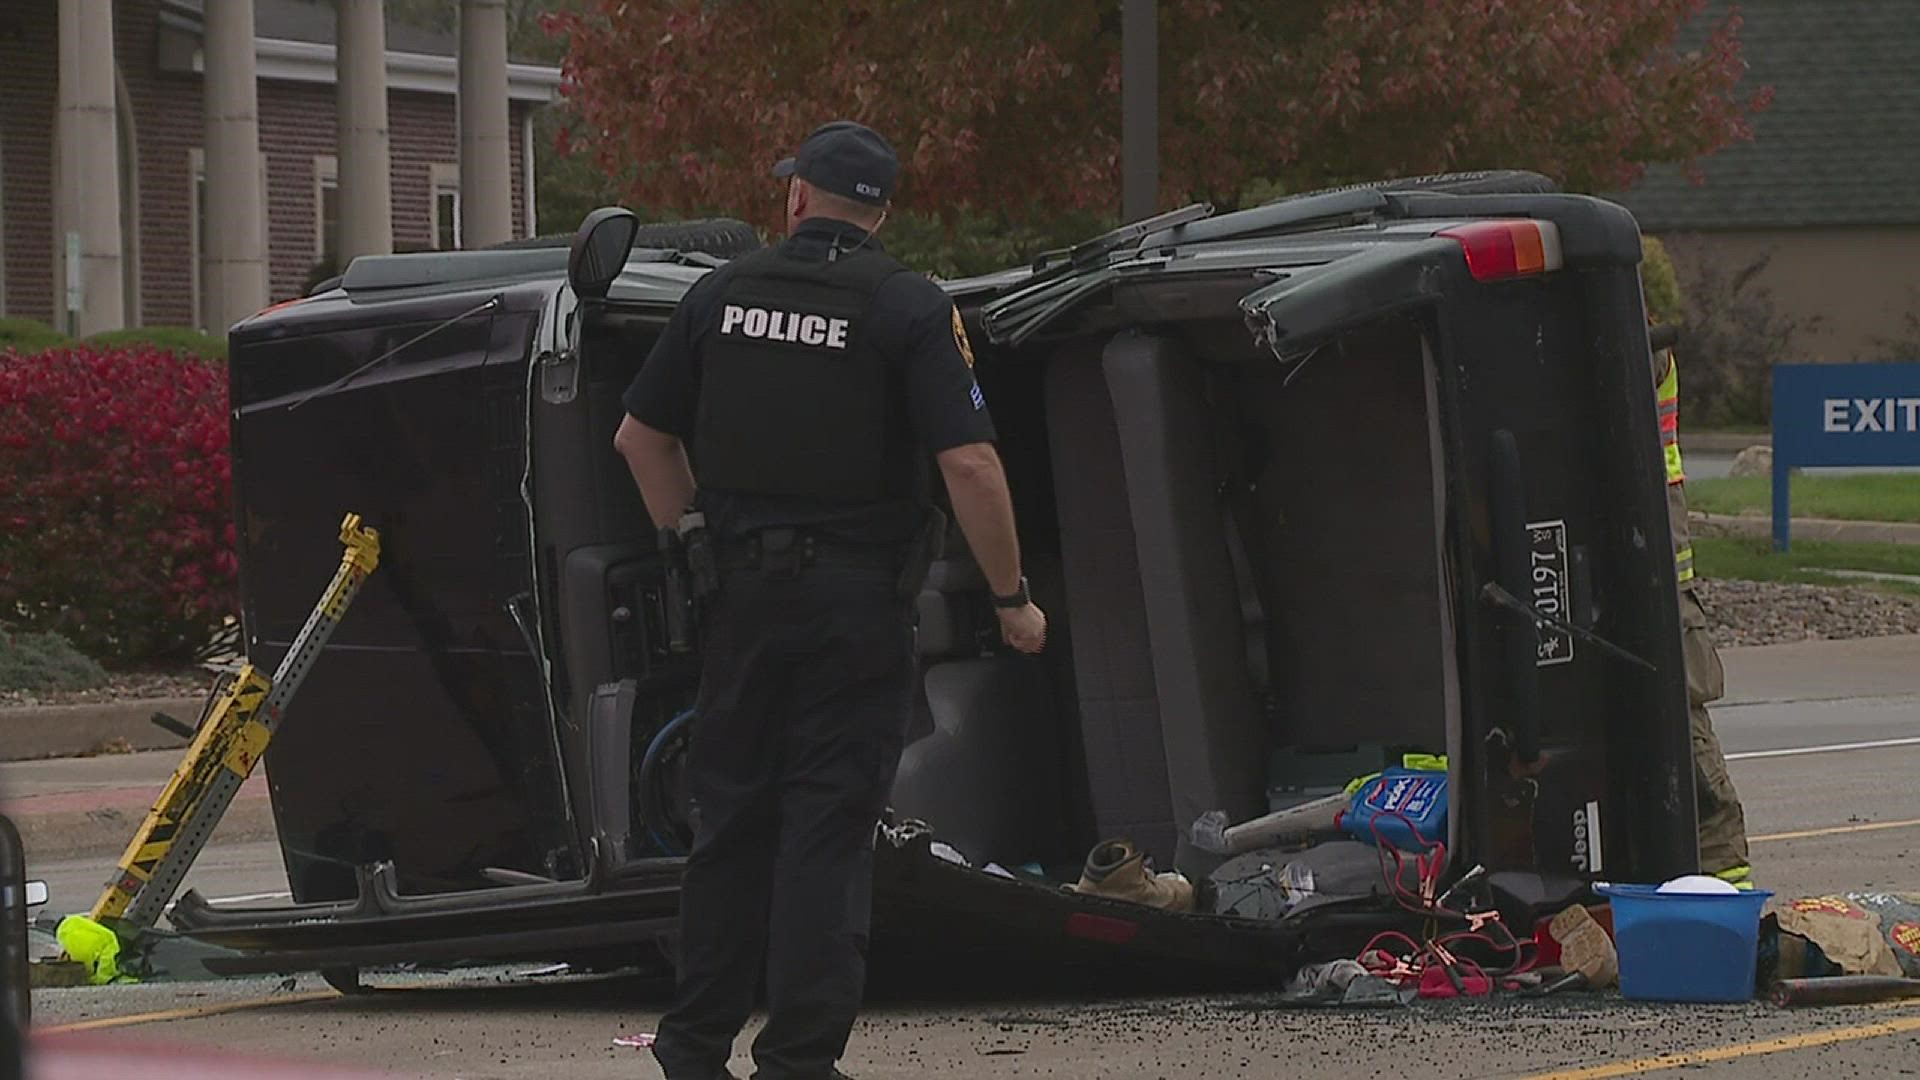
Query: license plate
<point>1547,568</point>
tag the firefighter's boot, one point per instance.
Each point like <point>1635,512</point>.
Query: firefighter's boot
<point>1117,870</point>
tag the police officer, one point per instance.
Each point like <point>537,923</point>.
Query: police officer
<point>1722,821</point>
<point>811,382</point>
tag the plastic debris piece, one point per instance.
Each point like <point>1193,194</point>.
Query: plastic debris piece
<point>1210,832</point>
<point>638,1042</point>
<point>1698,885</point>
<point>94,946</point>
<point>946,851</point>
<point>997,870</point>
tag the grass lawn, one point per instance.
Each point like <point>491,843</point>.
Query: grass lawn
<point>1755,560</point>
<point>1867,497</point>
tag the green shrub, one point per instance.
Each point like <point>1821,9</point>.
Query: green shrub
<point>45,662</point>
<point>174,339</point>
<point>25,336</point>
<point>1659,282</point>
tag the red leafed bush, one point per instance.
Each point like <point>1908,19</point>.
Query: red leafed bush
<point>116,527</point>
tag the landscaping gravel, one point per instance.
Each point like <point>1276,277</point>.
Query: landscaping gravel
<point>1771,612</point>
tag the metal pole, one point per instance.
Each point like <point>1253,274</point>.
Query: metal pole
<point>16,1003</point>
<point>1139,108</point>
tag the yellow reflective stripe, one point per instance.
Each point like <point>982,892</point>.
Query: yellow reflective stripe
<point>1736,875</point>
<point>1683,563</point>
<point>1674,472</point>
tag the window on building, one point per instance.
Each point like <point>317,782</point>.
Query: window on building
<point>326,209</point>
<point>446,206</point>
<point>202,281</point>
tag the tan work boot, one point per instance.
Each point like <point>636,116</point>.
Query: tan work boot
<point>1117,870</point>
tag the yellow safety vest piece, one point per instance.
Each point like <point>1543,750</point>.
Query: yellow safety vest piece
<point>1668,398</point>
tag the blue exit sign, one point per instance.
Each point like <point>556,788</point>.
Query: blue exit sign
<point>1841,414</point>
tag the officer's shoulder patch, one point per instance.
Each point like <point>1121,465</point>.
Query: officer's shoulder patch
<point>960,338</point>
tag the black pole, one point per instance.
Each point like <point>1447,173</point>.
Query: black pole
<point>16,1003</point>
<point>1139,108</point>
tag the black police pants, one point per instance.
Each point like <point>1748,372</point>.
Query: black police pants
<point>806,684</point>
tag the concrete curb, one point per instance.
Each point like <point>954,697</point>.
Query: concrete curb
<point>100,822</point>
<point>28,732</point>
<point>1761,525</point>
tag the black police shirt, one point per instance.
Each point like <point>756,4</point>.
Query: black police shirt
<point>912,322</point>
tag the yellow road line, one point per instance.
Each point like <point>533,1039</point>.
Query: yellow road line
<point>1806,1040</point>
<point>187,1014</point>
<point>1837,830</point>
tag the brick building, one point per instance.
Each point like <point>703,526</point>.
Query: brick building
<point>159,121</point>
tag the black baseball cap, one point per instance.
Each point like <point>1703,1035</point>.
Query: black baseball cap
<point>847,159</point>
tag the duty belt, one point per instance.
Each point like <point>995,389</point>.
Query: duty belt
<point>784,552</point>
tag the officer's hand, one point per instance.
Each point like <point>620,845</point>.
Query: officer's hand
<point>1024,628</point>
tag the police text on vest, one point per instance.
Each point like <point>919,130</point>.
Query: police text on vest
<point>1871,414</point>
<point>795,326</point>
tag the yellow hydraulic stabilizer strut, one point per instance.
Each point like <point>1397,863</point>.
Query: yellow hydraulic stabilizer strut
<point>231,738</point>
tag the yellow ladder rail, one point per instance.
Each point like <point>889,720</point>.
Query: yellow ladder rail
<point>229,743</point>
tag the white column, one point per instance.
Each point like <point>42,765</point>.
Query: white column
<point>486,155</point>
<point>89,191</point>
<point>366,189</point>
<point>236,239</point>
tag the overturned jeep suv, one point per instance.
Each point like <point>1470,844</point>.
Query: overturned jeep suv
<point>1352,501</point>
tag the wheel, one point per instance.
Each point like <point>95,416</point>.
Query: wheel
<point>345,980</point>
<point>726,238</point>
<point>1487,182</point>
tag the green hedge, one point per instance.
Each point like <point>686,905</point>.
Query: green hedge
<point>43,662</point>
<point>1660,283</point>
<point>26,336</point>
<point>175,339</point>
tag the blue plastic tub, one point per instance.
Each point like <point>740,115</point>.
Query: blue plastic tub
<point>1681,947</point>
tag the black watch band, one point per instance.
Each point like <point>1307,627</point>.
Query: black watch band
<point>1017,599</point>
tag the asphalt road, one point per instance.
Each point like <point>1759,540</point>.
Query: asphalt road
<point>1825,815</point>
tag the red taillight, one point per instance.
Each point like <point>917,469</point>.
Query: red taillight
<point>1497,250</point>
<point>1101,928</point>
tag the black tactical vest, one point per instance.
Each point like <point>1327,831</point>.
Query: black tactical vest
<point>795,398</point>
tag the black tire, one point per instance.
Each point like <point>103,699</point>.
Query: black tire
<point>725,237</point>
<point>1487,182</point>
<point>345,980</point>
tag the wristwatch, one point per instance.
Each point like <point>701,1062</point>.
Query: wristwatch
<point>1019,598</point>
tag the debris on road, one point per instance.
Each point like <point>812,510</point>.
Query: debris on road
<point>642,1041</point>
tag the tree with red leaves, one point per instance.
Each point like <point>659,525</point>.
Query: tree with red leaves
<point>1014,105</point>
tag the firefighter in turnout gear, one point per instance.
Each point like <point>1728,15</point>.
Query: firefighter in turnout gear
<point>812,382</point>
<point>1723,826</point>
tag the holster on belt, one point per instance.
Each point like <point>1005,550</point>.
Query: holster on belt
<point>676,593</point>
<point>928,545</point>
<point>691,577</point>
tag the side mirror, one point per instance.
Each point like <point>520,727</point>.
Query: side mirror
<point>600,249</point>
<point>36,893</point>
